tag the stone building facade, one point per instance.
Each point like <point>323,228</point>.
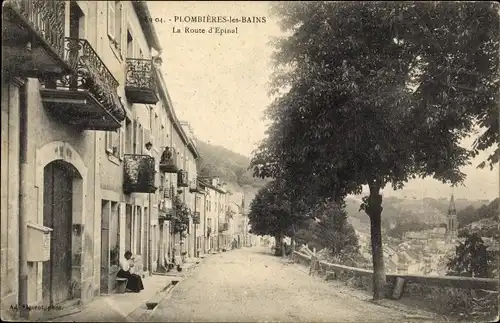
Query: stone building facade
<point>93,154</point>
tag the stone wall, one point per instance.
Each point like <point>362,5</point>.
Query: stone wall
<point>459,297</point>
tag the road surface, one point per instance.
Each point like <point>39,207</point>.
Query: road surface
<point>251,285</point>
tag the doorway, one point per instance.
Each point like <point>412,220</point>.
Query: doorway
<point>58,215</point>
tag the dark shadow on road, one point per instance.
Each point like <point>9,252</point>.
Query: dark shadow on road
<point>265,252</point>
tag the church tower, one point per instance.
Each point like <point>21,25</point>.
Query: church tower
<point>451,230</point>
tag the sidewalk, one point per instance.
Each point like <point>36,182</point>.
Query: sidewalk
<point>187,266</point>
<point>116,307</point>
<point>127,307</point>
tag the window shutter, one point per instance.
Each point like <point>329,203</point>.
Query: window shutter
<point>111,19</point>
<point>136,136</point>
<point>122,142</point>
<point>109,141</point>
<point>119,25</point>
<point>147,137</point>
<point>141,140</point>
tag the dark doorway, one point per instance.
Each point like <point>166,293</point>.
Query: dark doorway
<point>57,214</point>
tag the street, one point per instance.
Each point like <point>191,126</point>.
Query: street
<point>251,285</point>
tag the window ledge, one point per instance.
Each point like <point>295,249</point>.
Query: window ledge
<point>112,158</point>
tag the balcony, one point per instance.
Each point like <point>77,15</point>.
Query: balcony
<point>87,98</point>
<point>139,174</point>
<point>165,210</point>
<point>169,192</point>
<point>223,227</point>
<point>168,161</point>
<point>33,38</point>
<point>182,178</point>
<point>140,86</point>
<point>196,217</point>
<point>195,187</point>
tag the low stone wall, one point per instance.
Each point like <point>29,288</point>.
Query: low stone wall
<point>456,296</point>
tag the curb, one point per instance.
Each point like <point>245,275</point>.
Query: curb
<point>168,294</point>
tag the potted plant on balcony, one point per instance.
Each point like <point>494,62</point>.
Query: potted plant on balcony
<point>181,220</point>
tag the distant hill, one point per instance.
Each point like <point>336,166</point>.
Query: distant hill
<point>400,210</point>
<point>230,167</point>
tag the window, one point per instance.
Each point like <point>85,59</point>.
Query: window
<point>129,137</point>
<point>114,225</point>
<point>115,142</point>
<point>130,45</point>
<point>128,227</point>
<point>76,21</point>
<point>138,230</point>
<point>115,22</point>
<point>138,138</point>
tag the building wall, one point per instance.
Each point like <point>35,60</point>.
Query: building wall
<point>9,194</point>
<point>98,191</point>
<point>47,140</point>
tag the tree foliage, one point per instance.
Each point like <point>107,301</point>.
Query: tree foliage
<point>471,259</point>
<point>376,94</point>
<point>270,211</point>
<point>331,230</point>
<point>471,214</point>
<point>181,218</point>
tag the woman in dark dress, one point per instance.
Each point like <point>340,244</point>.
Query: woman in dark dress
<point>134,282</point>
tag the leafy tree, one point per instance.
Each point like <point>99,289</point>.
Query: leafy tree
<point>270,212</point>
<point>332,231</point>
<point>471,214</point>
<point>471,259</point>
<point>181,218</point>
<point>346,112</point>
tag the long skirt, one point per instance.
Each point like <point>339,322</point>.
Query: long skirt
<point>134,282</point>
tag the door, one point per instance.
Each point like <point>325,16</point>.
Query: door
<point>57,214</point>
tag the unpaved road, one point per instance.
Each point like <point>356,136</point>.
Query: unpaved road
<point>250,285</point>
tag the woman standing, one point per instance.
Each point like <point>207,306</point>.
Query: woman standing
<point>134,282</point>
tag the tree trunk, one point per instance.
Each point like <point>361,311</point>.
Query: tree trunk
<point>374,211</point>
<point>278,245</point>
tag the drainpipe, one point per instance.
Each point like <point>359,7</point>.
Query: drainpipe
<point>23,202</point>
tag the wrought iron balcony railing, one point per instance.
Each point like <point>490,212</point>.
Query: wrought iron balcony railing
<point>139,174</point>
<point>168,161</point>
<point>86,98</point>
<point>196,218</point>
<point>165,210</point>
<point>140,84</point>
<point>33,38</point>
<point>182,178</point>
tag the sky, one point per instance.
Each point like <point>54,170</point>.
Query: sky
<point>219,83</point>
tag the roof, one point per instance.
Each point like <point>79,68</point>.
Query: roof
<point>141,8</point>
<point>218,189</point>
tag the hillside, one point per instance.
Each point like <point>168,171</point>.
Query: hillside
<point>230,167</point>
<point>399,210</point>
